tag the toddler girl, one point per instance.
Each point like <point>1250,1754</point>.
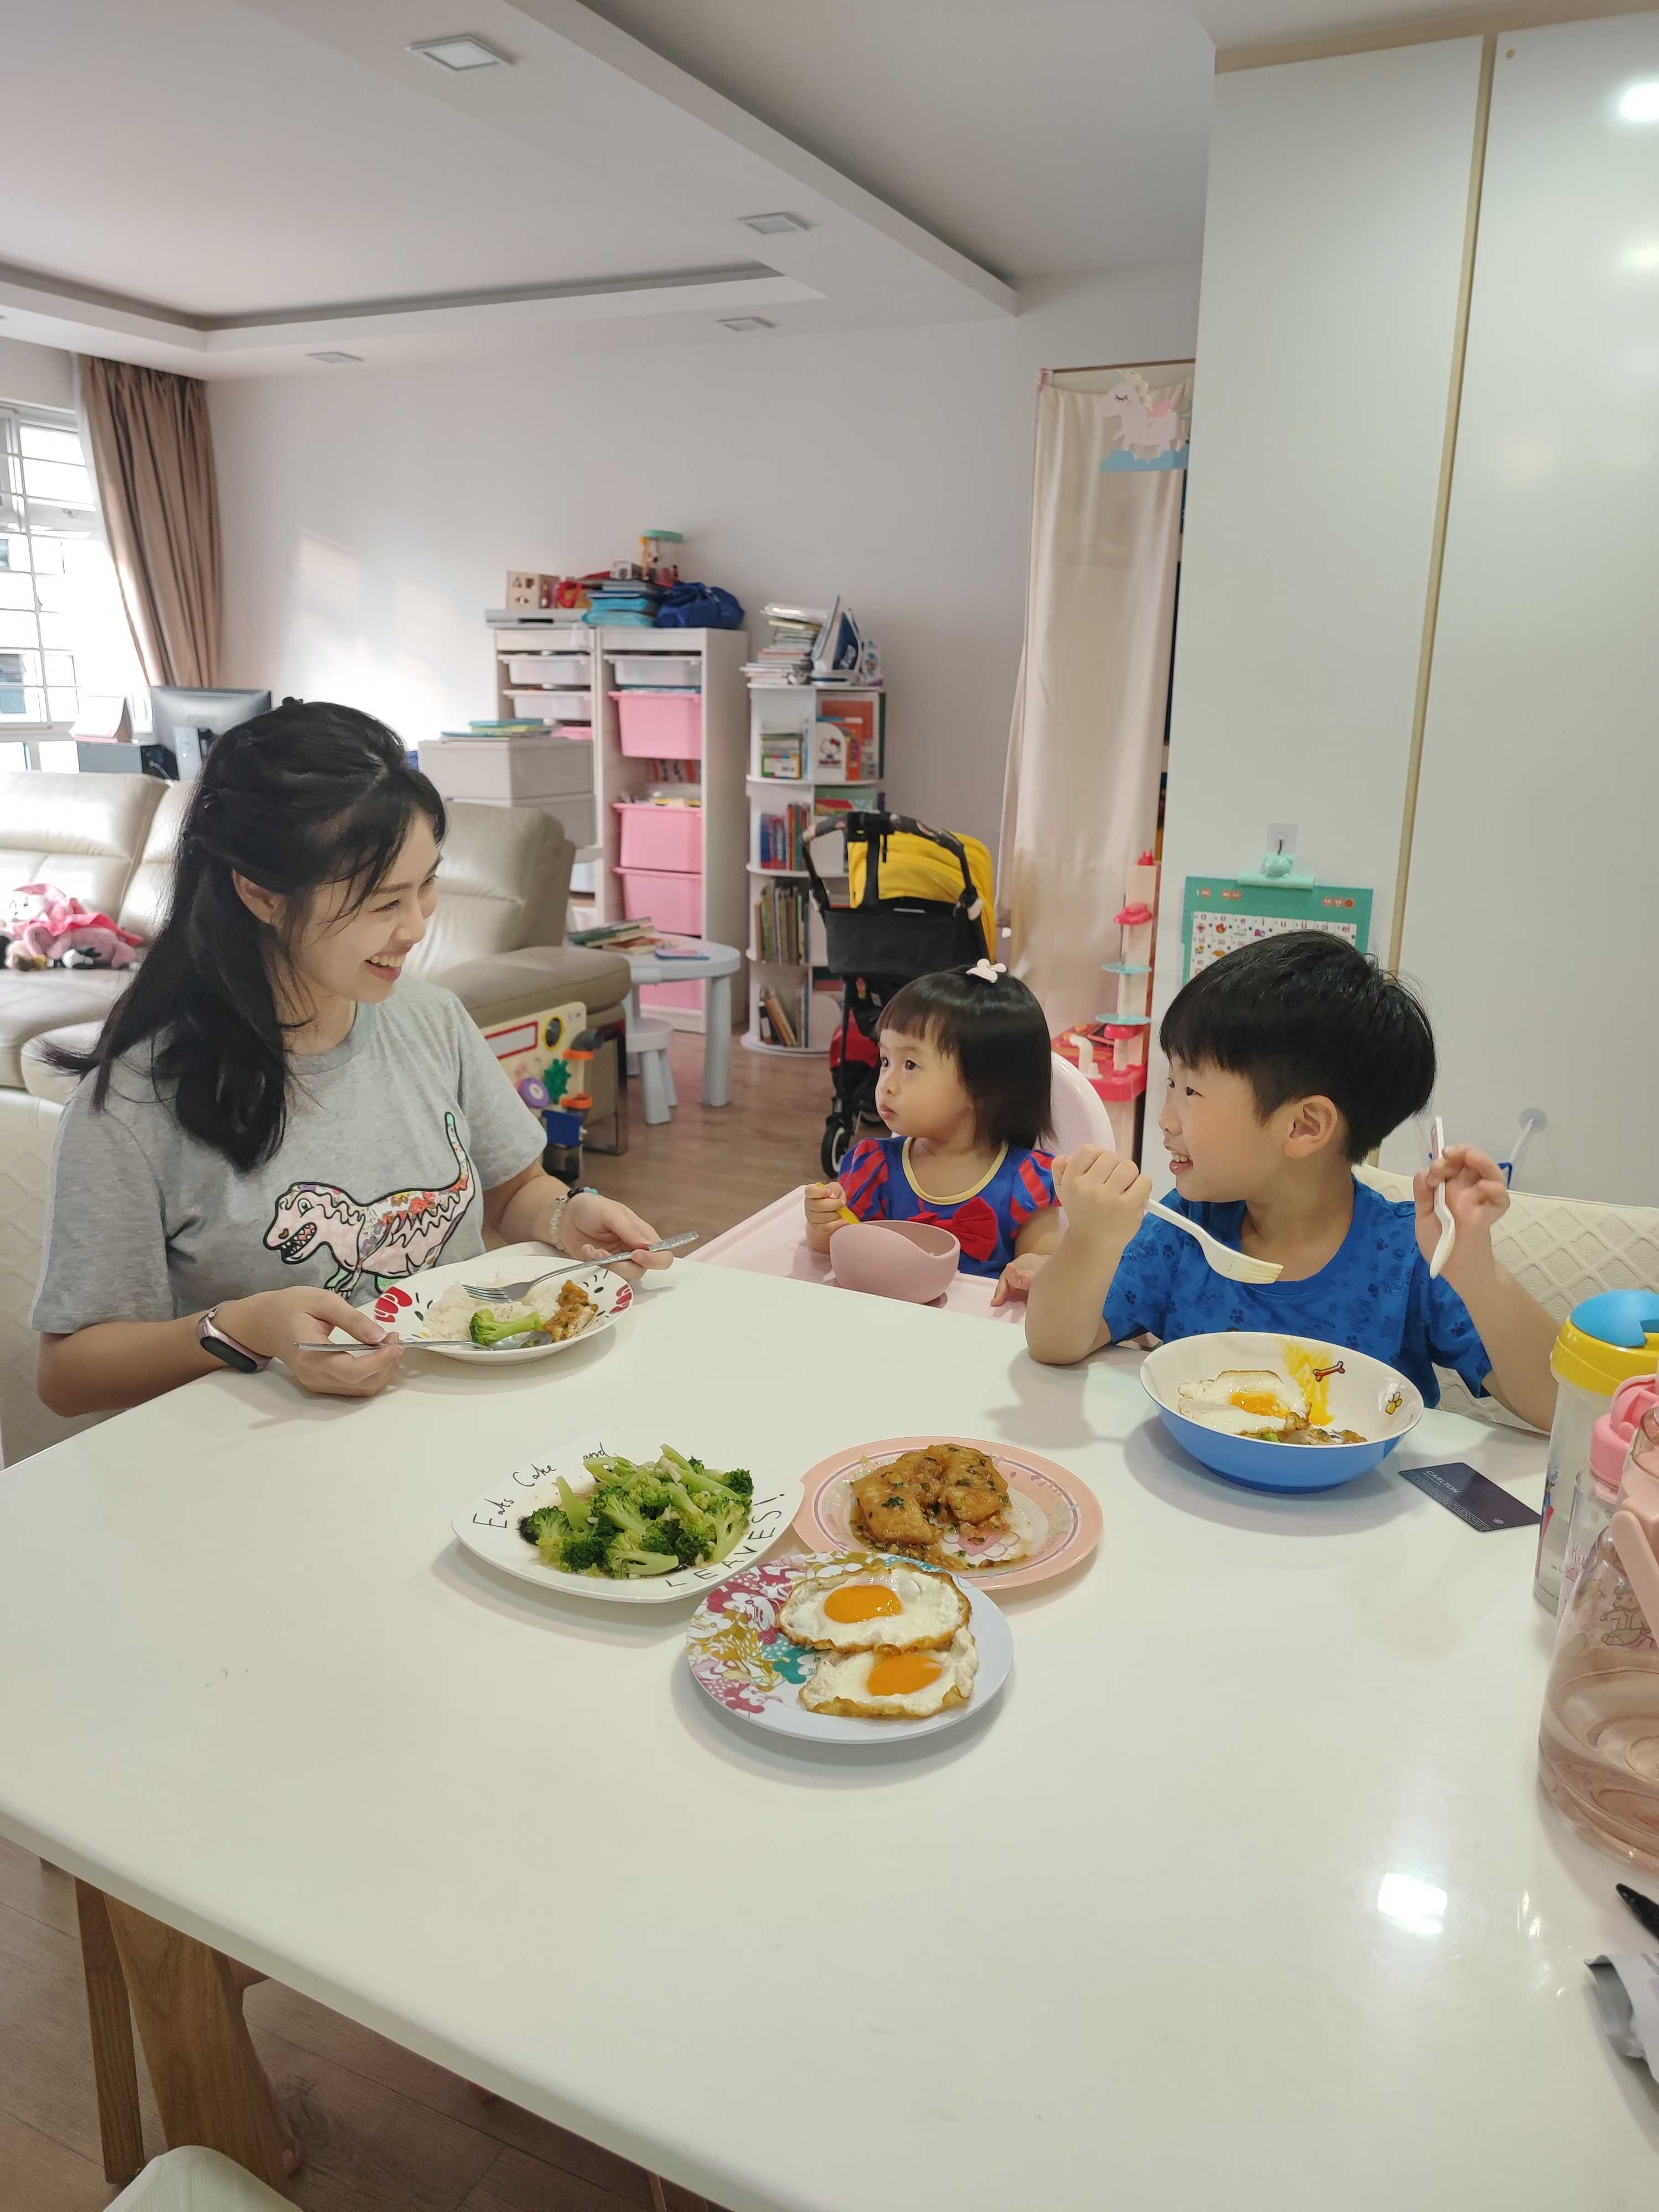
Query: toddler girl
<point>964,1089</point>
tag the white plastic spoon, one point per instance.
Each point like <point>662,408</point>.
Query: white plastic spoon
<point>1237,1266</point>
<point>1442,1212</point>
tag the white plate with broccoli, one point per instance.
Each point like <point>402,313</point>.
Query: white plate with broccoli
<point>435,1313</point>
<point>624,1518</point>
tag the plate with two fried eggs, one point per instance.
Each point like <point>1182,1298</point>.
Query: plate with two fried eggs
<point>848,1646</point>
<point>993,1514</point>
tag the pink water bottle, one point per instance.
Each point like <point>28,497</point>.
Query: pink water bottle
<point>1598,1747</point>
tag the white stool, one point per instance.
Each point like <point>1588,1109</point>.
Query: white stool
<point>648,1046</point>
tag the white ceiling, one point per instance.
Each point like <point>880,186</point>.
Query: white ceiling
<point>226,188</point>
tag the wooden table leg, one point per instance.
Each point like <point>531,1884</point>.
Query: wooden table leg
<point>208,2080</point>
<point>110,2012</point>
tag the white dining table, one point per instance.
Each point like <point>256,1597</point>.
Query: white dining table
<point>1241,1894</point>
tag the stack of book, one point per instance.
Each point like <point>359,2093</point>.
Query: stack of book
<point>625,603</point>
<point>813,645</point>
<point>783,838</point>
<point>517,729</point>
<point>783,756</point>
<point>780,920</point>
<point>619,937</point>
<point>780,1016</point>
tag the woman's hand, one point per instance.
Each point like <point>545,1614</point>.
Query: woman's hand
<point>272,1323</point>
<point>595,1228</point>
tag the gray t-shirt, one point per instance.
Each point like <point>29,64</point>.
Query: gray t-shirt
<point>391,1140</point>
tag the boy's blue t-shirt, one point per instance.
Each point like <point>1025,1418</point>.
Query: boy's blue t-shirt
<point>1374,1295</point>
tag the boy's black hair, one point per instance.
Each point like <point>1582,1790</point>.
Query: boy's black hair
<point>1305,1015</point>
<point>997,1035</point>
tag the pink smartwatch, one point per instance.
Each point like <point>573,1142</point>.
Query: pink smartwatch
<point>224,1347</point>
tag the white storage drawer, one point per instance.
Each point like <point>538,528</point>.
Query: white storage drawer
<point>555,668</point>
<point>678,668</point>
<point>553,705</point>
<point>510,769</point>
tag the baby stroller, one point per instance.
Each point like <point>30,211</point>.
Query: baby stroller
<point>908,916</point>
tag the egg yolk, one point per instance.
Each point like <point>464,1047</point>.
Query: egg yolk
<point>899,1673</point>
<point>861,1602</point>
<point>1257,1401</point>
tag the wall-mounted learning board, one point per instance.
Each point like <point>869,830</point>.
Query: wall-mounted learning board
<point>1220,914</point>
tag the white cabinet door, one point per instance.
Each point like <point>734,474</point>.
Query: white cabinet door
<point>1532,917</point>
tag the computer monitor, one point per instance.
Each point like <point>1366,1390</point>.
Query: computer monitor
<point>184,723</point>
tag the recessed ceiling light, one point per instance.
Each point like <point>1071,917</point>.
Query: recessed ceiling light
<point>461,50</point>
<point>1641,102</point>
<point>332,359</point>
<point>745,323</point>
<point>769,225</point>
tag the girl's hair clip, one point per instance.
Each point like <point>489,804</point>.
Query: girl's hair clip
<point>987,971</point>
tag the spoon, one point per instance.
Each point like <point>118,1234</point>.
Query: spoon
<point>1237,1266</point>
<point>1442,1212</point>
<point>517,1343</point>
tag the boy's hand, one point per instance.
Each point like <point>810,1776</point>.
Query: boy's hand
<point>824,1202</point>
<point>1479,1198</point>
<point>1018,1278</point>
<point>1104,1197</point>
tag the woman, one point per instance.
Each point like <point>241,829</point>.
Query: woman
<point>271,1122</point>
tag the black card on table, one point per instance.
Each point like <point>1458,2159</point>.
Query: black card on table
<point>1462,1491</point>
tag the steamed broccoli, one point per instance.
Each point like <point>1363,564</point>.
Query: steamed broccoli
<point>491,1323</point>
<point>642,1520</point>
<point>546,1521</point>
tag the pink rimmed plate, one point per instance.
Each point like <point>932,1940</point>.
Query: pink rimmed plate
<point>1057,1516</point>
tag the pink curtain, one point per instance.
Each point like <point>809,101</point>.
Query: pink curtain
<point>152,455</point>
<point>1086,751</point>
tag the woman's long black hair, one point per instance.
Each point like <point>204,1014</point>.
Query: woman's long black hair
<point>305,796</point>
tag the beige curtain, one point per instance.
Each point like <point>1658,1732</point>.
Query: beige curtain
<point>152,455</point>
<point>1086,751</point>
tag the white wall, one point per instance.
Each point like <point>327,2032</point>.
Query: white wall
<point>35,375</point>
<point>1333,251</point>
<point>370,516</point>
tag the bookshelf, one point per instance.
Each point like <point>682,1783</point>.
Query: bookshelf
<point>543,667</point>
<point>813,748</point>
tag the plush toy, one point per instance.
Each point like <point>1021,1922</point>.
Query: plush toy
<point>45,927</point>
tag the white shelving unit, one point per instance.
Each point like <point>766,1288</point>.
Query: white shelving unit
<point>719,903</point>
<point>781,712</point>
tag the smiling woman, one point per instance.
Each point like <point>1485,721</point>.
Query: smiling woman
<point>272,1120</point>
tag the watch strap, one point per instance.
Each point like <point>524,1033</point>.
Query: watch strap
<point>223,1345</point>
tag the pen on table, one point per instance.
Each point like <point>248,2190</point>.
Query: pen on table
<point>1644,1907</point>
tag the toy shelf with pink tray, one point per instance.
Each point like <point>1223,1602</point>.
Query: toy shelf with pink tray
<point>655,725</point>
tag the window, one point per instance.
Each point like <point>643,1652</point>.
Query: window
<point>66,650</point>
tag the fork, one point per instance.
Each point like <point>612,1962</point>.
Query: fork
<point>1237,1266</point>
<point>1442,1212</point>
<point>507,1292</point>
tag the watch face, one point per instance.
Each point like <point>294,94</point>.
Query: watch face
<point>232,1354</point>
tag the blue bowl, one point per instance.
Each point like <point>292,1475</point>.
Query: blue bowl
<point>1369,1396</point>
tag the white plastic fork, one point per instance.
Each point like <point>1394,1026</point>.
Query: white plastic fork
<point>1442,1212</point>
<point>1237,1266</point>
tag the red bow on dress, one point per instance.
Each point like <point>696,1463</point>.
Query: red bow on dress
<point>973,1224</point>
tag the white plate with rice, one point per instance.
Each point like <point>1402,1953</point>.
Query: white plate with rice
<point>432,1312</point>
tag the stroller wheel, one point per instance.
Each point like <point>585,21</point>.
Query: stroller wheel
<point>837,1143</point>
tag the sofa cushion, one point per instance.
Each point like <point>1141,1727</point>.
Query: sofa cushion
<point>81,832</point>
<point>506,984</point>
<point>33,1004</point>
<point>144,908</point>
<point>503,880</point>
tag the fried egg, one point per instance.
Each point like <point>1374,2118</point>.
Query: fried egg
<point>893,1609</point>
<point>1245,1401</point>
<point>894,1685</point>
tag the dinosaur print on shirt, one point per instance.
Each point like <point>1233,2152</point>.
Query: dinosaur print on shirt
<point>390,1236</point>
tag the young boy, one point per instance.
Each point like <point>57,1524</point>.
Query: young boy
<point>1289,1061</point>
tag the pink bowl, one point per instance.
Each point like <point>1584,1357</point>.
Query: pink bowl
<point>908,1260</point>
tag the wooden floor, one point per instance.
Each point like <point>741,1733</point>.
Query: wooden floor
<point>385,2130</point>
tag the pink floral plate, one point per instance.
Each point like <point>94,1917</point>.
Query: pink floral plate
<point>743,1660</point>
<point>1057,1516</point>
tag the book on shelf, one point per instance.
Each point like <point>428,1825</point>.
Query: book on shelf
<point>638,936</point>
<point>780,924</point>
<point>780,1013</point>
<point>858,721</point>
<point>783,838</point>
<point>783,756</point>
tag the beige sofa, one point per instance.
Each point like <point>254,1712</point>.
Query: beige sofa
<point>495,941</point>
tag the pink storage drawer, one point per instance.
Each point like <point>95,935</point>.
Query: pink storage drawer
<point>660,724</point>
<point>681,997</point>
<point>662,838</point>
<point>673,902</point>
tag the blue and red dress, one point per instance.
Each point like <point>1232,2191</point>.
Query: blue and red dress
<point>985,1221</point>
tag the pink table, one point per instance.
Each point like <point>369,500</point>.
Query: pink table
<point>773,1242</point>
